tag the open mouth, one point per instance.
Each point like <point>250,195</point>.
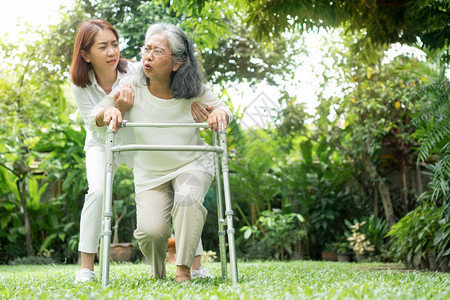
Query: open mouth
<point>147,67</point>
<point>112,61</point>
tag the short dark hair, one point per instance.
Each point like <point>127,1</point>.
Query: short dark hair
<point>79,69</point>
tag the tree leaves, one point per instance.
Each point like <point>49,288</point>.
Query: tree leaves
<point>384,22</point>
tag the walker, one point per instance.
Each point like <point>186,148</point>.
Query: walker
<point>222,183</point>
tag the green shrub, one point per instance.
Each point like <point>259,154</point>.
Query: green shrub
<point>418,234</point>
<point>279,230</point>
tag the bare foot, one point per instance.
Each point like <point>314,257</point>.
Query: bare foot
<point>183,274</point>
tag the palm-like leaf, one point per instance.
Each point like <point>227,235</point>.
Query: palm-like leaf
<point>433,123</point>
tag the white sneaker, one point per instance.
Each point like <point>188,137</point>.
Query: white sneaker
<point>201,273</point>
<point>85,275</point>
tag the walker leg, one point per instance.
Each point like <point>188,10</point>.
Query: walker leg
<point>228,208</point>
<point>107,210</point>
<point>220,215</point>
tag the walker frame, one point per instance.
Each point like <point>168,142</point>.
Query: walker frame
<point>225,218</point>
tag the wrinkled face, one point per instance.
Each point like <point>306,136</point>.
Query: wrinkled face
<point>157,59</point>
<point>104,54</point>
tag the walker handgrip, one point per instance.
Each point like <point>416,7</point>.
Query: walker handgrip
<point>125,123</point>
<point>140,147</point>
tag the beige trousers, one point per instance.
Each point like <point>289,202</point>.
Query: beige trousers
<point>182,200</point>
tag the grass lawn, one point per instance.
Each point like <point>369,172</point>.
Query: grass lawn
<point>258,280</point>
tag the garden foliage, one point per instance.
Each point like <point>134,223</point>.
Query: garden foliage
<point>299,184</point>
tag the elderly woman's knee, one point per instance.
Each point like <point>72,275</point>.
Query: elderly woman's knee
<point>186,197</point>
<point>152,232</point>
<point>190,189</point>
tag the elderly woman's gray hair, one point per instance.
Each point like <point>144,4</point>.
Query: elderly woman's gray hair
<point>187,81</point>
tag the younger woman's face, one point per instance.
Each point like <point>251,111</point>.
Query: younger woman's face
<point>104,54</point>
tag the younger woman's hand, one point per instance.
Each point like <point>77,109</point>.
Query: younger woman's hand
<point>124,98</point>
<point>199,113</point>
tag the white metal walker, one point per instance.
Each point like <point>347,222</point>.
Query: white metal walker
<point>222,184</point>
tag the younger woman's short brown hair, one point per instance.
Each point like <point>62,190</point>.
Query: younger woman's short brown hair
<point>79,69</point>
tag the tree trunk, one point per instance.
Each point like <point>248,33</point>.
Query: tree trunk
<point>419,179</point>
<point>404,170</point>
<point>375,203</point>
<point>382,188</point>
<point>115,234</point>
<point>253,213</point>
<point>21,187</point>
<point>282,250</point>
<point>387,203</point>
<point>117,220</point>
<point>404,173</point>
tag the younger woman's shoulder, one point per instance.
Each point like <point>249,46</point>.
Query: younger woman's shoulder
<point>207,92</point>
<point>135,80</point>
<point>133,67</point>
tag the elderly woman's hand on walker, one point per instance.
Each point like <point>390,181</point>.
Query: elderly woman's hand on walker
<point>218,119</point>
<point>109,114</point>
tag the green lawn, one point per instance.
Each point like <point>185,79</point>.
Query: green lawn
<point>258,280</point>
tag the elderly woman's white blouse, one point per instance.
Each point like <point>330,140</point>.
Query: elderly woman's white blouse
<point>153,168</point>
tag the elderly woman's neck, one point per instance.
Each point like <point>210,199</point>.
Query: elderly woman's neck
<point>160,90</point>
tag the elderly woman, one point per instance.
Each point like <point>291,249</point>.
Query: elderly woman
<point>168,184</point>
